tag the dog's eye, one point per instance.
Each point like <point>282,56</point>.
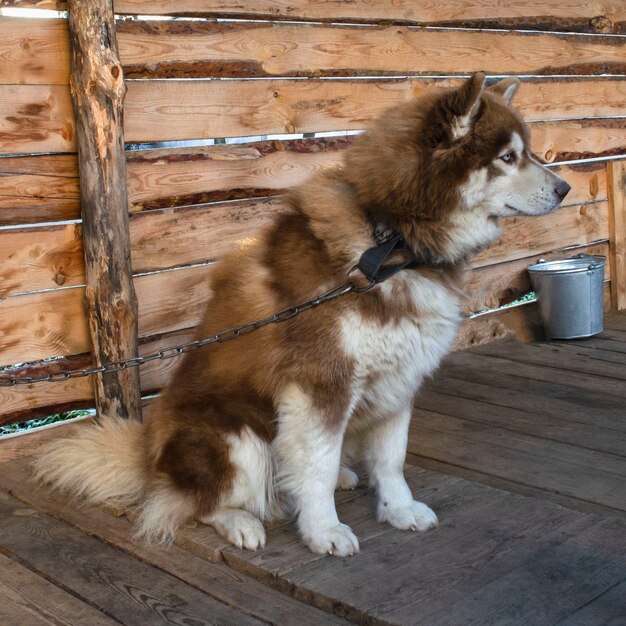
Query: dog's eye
<point>508,157</point>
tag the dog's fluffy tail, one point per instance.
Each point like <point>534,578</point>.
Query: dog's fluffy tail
<point>102,464</point>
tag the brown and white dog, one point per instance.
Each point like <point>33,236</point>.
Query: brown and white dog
<point>279,415</point>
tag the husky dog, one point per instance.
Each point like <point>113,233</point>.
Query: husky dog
<point>281,415</point>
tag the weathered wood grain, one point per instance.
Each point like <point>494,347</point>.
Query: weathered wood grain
<point>36,118</point>
<point>39,118</point>
<point>535,14</point>
<point>617,232</point>
<point>185,48</point>
<point>598,16</point>
<point>38,189</point>
<point>596,435</point>
<point>98,90</point>
<point>549,465</point>
<point>32,52</point>
<point>234,108</point>
<point>215,580</point>
<point>274,49</point>
<point>43,325</point>
<point>593,390</point>
<point>166,178</point>
<point>609,606</point>
<point>24,402</point>
<point>545,399</point>
<point>127,590</point>
<point>172,237</point>
<point>616,325</point>
<point>57,249</point>
<point>51,256</point>
<point>527,236</point>
<point>551,586</point>
<point>45,188</point>
<point>477,526</point>
<point>23,591</point>
<point>572,140</point>
<point>565,357</point>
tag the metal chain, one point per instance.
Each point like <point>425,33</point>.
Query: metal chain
<point>222,337</point>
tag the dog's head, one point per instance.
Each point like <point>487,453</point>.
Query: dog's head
<point>446,166</point>
<point>505,179</point>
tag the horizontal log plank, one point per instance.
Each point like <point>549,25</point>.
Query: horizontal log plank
<point>36,118</point>
<point>242,108</point>
<point>525,236</point>
<point>192,49</point>
<point>166,178</point>
<point>23,402</point>
<point>47,257</point>
<point>38,50</point>
<point>603,16</point>
<point>537,13</point>
<point>34,51</point>
<point>183,176</point>
<point>40,188</point>
<point>39,118</point>
<point>51,256</point>
<point>49,324</point>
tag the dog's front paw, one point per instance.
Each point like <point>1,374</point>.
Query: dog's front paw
<point>239,527</point>
<point>337,540</point>
<point>416,516</point>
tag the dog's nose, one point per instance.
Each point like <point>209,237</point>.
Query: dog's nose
<point>562,189</point>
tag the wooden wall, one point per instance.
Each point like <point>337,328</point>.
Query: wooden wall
<point>190,205</point>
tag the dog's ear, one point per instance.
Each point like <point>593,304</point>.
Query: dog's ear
<point>463,104</point>
<point>506,88</point>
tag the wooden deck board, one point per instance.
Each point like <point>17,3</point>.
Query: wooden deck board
<point>31,599</point>
<point>520,459</point>
<point>549,418</point>
<point>214,579</point>
<point>550,583</point>
<point>546,424</point>
<point>125,589</point>
<point>485,535</point>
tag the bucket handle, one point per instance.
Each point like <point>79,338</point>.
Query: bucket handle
<point>597,260</point>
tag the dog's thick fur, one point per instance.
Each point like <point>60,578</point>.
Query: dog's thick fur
<point>280,414</point>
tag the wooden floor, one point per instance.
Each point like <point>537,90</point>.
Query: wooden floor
<point>520,449</point>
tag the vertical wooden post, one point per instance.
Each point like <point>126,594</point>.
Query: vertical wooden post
<point>616,176</point>
<point>98,91</point>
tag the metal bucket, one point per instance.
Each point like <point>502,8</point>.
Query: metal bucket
<point>570,295</point>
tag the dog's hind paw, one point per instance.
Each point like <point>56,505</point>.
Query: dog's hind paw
<point>239,527</point>
<point>337,540</point>
<point>416,516</point>
<point>347,479</point>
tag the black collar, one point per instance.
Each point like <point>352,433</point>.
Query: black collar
<point>372,260</point>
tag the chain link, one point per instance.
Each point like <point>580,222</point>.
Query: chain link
<point>174,351</point>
